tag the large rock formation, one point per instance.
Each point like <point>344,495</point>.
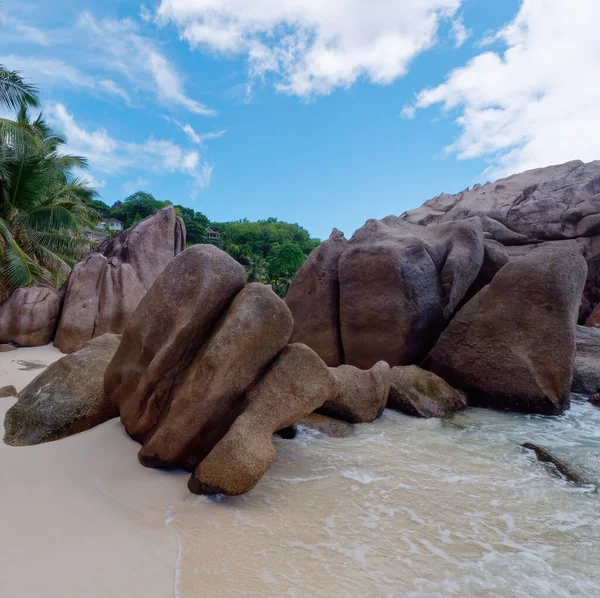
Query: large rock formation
<point>66,398</point>
<point>386,294</point>
<point>420,393</point>
<point>586,372</point>
<point>513,345</point>
<point>314,300</point>
<point>28,317</point>
<point>296,383</point>
<point>557,206</point>
<point>105,288</point>
<point>362,395</point>
<point>400,284</point>
<point>197,341</point>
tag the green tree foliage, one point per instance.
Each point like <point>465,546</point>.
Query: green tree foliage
<point>285,260</point>
<point>196,224</point>
<point>136,207</point>
<point>43,206</point>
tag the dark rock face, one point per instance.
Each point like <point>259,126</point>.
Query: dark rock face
<point>66,398</point>
<point>362,394</point>
<point>297,383</point>
<point>513,345</point>
<point>555,206</point>
<point>595,399</point>
<point>314,298</point>
<point>421,393</point>
<point>400,284</point>
<point>28,317</point>
<point>593,321</point>
<point>586,372</point>
<point>105,288</point>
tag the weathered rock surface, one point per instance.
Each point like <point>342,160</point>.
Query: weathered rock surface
<point>363,393</point>
<point>586,372</point>
<point>297,383</point>
<point>173,321</point>
<point>557,206</point>
<point>401,283</point>
<point>420,393</point>
<point>66,398</point>
<point>105,288</point>
<point>513,345</point>
<point>8,391</point>
<point>208,396</point>
<point>28,317</point>
<point>314,297</point>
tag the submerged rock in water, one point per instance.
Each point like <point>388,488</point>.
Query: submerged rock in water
<point>513,345</point>
<point>595,399</point>
<point>67,398</point>
<point>420,393</point>
<point>296,384</point>
<point>8,391</point>
<point>106,286</point>
<point>571,473</point>
<point>28,317</point>
<point>363,393</point>
<point>586,371</point>
<point>329,426</point>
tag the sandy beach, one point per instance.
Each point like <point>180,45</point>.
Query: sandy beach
<point>81,517</point>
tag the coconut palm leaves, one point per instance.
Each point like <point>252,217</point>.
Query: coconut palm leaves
<point>43,207</point>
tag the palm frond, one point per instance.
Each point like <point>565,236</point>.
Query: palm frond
<point>14,91</point>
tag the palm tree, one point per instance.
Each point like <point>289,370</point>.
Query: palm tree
<point>257,269</point>
<point>14,93</point>
<point>43,206</point>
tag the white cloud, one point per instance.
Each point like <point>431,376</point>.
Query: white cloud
<point>537,102</point>
<point>33,34</point>
<point>459,32</point>
<point>111,156</point>
<point>314,46</point>
<point>52,71</point>
<point>119,46</point>
<point>198,138</point>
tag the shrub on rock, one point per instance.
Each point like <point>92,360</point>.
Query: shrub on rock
<point>363,393</point>
<point>66,398</point>
<point>420,393</point>
<point>512,346</point>
<point>297,383</point>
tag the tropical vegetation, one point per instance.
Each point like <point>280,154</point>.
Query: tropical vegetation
<point>44,206</point>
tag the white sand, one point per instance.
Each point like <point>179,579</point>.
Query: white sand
<point>80,516</point>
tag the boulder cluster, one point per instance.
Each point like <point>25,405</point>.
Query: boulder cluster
<point>102,291</point>
<point>458,303</point>
<point>204,375</point>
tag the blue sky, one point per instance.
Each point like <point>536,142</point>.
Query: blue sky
<point>325,114</point>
